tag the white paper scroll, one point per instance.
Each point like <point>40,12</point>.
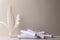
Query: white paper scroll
<point>28,33</point>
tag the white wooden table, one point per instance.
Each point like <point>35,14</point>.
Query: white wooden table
<point>10,38</point>
<point>56,38</point>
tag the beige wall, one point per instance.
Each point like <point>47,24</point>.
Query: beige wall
<point>39,15</point>
<point>3,9</point>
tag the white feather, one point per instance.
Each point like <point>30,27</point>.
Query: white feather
<point>3,23</point>
<point>17,20</point>
<point>10,19</point>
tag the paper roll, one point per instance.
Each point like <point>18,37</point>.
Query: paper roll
<point>27,32</point>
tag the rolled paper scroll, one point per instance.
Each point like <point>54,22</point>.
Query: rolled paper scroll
<point>28,33</point>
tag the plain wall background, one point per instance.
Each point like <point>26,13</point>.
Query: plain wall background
<point>39,15</point>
